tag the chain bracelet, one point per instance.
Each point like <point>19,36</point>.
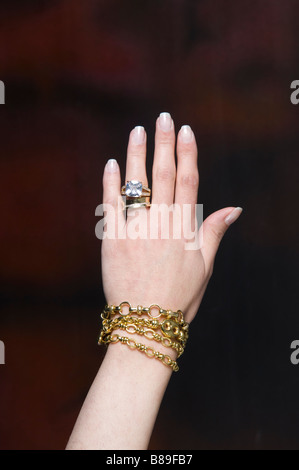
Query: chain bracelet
<point>114,309</point>
<point>150,352</point>
<point>133,327</point>
<point>174,329</point>
<point>168,328</point>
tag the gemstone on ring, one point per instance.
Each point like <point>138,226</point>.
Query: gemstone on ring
<point>133,188</point>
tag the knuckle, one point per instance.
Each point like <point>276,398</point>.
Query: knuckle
<point>218,233</point>
<point>186,150</point>
<point>136,152</point>
<point>165,138</point>
<point>190,180</point>
<point>165,174</point>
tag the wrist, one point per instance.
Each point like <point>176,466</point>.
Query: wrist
<point>134,363</point>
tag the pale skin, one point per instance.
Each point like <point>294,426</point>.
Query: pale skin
<point>121,407</point>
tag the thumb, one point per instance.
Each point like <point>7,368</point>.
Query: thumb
<point>213,229</point>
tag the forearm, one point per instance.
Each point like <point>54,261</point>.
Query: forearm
<point>120,410</point>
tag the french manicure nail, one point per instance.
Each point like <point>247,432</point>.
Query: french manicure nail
<point>186,134</point>
<point>112,166</point>
<point>138,135</point>
<point>233,216</point>
<point>165,122</point>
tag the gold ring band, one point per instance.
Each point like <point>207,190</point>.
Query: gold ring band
<point>137,203</point>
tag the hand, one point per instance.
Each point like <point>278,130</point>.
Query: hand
<point>160,271</point>
<point>144,272</point>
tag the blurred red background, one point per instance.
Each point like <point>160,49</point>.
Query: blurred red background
<point>79,76</point>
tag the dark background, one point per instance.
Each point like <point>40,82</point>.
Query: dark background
<point>79,75</point>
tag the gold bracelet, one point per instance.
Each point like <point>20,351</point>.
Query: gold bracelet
<point>174,329</point>
<point>150,352</point>
<point>133,326</point>
<point>139,310</point>
<point>173,326</point>
<point>171,336</point>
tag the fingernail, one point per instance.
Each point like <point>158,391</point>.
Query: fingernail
<point>186,134</point>
<point>233,216</point>
<point>165,122</point>
<point>112,166</point>
<point>138,135</point>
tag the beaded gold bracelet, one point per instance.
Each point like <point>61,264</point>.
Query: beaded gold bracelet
<point>173,326</point>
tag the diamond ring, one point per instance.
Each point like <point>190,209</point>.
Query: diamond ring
<point>137,195</point>
<point>135,188</point>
